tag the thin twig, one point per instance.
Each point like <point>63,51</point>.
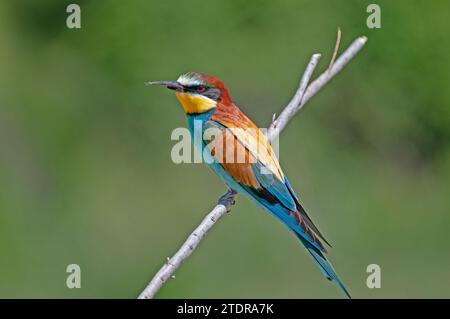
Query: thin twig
<point>336,48</point>
<point>303,95</point>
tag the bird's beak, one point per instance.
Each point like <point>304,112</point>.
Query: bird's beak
<point>170,85</point>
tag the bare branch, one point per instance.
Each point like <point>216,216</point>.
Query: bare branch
<point>292,108</point>
<point>304,93</point>
<point>289,111</point>
<point>342,61</point>
<point>167,271</point>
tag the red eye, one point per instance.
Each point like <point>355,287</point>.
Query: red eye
<point>200,88</point>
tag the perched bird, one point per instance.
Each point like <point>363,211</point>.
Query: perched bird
<point>257,173</point>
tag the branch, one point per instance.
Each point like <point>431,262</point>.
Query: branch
<point>294,105</point>
<point>292,108</point>
<point>304,93</point>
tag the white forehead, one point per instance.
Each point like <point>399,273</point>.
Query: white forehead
<point>186,79</point>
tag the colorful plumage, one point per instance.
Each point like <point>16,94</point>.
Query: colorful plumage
<point>241,155</point>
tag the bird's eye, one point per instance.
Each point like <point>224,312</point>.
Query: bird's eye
<point>200,88</point>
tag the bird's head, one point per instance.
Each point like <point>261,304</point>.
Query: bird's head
<point>198,93</point>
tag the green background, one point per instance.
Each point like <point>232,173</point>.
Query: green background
<point>86,175</point>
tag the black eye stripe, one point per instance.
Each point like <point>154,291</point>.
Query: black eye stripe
<point>199,87</point>
<point>209,91</point>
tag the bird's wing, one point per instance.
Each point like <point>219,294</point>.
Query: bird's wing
<point>241,153</point>
<point>249,159</point>
<point>250,136</point>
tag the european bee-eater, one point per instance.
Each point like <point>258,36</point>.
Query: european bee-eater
<point>206,101</point>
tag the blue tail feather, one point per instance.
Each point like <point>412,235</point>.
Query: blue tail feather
<point>325,266</point>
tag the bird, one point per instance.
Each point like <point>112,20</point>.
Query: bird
<point>256,173</point>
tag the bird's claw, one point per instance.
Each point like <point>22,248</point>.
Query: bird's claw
<point>227,199</point>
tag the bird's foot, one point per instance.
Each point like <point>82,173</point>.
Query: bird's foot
<point>227,199</point>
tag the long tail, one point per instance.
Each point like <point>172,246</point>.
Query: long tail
<point>303,227</point>
<point>325,266</point>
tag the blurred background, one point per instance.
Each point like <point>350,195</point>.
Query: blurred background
<point>86,175</point>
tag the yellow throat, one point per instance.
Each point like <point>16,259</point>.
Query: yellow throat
<point>195,104</point>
